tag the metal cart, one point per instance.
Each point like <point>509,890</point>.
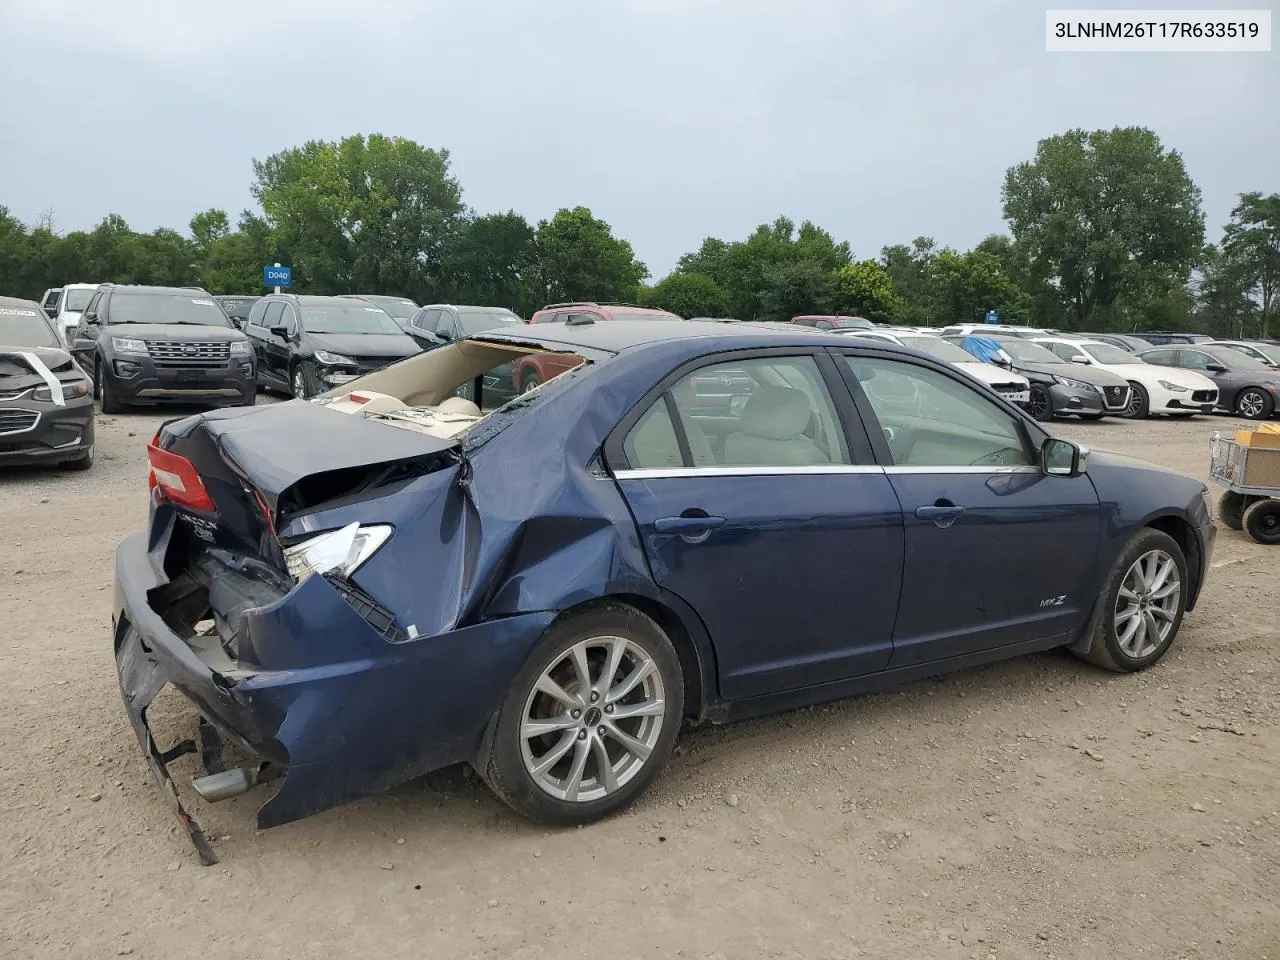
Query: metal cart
<point>1252,478</point>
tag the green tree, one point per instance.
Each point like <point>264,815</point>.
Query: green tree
<point>1101,214</point>
<point>580,259</point>
<point>1252,238</point>
<point>794,287</point>
<point>689,295</point>
<point>1223,305</point>
<point>909,269</point>
<point>964,286</point>
<point>493,260</point>
<point>208,227</point>
<point>361,214</point>
<point>865,289</point>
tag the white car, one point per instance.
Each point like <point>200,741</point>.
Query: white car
<point>67,307</point>
<point>1155,390</point>
<point>1012,386</point>
<point>981,329</point>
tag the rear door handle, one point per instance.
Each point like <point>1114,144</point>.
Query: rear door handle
<point>685,526</point>
<point>941,514</point>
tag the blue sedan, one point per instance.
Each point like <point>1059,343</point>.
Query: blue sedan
<point>404,574</point>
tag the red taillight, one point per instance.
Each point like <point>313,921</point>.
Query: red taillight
<point>177,478</point>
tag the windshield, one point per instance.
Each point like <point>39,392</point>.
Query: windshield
<point>23,327</point>
<point>1235,360</point>
<point>349,317</point>
<point>239,309</point>
<point>939,349</point>
<point>77,300</point>
<point>1029,352</point>
<point>1106,353</point>
<point>397,307</point>
<point>166,308</point>
<point>477,321</point>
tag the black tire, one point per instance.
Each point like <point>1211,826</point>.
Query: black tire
<point>501,759</point>
<point>1231,508</point>
<point>1262,521</point>
<point>1105,648</point>
<point>301,384</point>
<point>1139,404</point>
<point>1040,405</point>
<point>110,403</point>
<point>1254,403</point>
<point>529,382</point>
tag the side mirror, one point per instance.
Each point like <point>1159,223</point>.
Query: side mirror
<point>280,332</point>
<point>1081,359</point>
<point>1216,368</point>
<point>91,319</point>
<point>443,336</point>
<point>82,351</point>
<point>1062,458</point>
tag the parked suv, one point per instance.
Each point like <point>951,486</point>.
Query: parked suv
<point>307,345</point>
<point>532,371</point>
<point>237,308</point>
<point>1160,338</point>
<point>156,344</point>
<point>65,304</point>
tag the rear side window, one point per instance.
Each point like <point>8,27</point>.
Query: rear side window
<point>772,413</point>
<point>257,313</point>
<point>426,320</point>
<point>1164,357</point>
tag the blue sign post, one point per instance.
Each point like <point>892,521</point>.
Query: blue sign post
<point>993,316</point>
<point>277,276</point>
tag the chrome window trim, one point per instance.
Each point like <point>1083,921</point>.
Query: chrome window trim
<point>668,473</point>
<point>664,473</point>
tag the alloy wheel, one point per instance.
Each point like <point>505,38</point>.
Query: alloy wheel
<point>1038,404</point>
<point>1133,408</point>
<point>592,719</point>
<point>1251,404</point>
<point>299,383</point>
<point>1147,604</point>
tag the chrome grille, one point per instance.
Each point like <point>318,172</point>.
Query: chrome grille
<point>1204,396</point>
<point>17,421</point>
<point>186,353</point>
<point>1115,396</point>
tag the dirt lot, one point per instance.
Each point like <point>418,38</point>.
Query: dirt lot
<point>1039,808</point>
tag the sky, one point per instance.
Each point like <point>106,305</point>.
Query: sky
<point>674,120</point>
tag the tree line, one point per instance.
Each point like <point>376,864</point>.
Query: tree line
<point>1106,232</point>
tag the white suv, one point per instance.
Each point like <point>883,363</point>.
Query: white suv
<point>65,305</point>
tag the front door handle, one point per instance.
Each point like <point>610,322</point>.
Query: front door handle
<point>943,513</point>
<point>687,526</point>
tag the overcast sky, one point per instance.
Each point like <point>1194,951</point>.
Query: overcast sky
<point>671,119</point>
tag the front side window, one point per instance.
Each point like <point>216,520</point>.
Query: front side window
<point>448,329</point>
<point>1194,360</point>
<point>932,420</point>
<point>772,412</point>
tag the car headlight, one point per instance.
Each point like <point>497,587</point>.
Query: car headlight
<point>70,390</point>
<point>1074,384</point>
<point>1173,387</point>
<point>241,348</point>
<point>128,345</point>
<point>338,551</point>
<point>333,359</point>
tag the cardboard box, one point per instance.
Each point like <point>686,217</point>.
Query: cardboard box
<point>1267,435</point>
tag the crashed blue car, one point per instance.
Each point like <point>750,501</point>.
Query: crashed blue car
<point>403,574</point>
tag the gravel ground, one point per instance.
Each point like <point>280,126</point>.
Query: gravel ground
<point>1037,808</point>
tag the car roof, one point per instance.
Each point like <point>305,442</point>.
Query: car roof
<point>157,291</point>
<point>77,286</point>
<point>238,296</point>
<point>24,304</point>
<point>618,335</point>
<point>317,300</point>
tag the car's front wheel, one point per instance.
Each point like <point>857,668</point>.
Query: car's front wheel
<point>1142,604</point>
<point>1138,404</point>
<point>300,382</point>
<point>589,720</point>
<point>1040,404</point>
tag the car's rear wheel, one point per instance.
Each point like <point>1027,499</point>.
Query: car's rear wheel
<point>1142,604</point>
<point>1231,508</point>
<point>1254,403</point>
<point>1139,403</point>
<point>1261,521</point>
<point>530,382</point>
<point>1040,405</point>
<point>589,720</point>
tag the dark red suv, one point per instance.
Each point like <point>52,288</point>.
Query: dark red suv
<point>531,371</point>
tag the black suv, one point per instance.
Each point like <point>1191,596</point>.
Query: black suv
<point>439,323</point>
<point>157,344</point>
<point>307,345</point>
<point>1161,338</point>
